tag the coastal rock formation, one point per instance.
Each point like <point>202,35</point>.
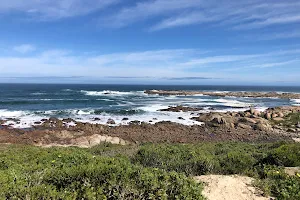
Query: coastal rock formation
<point>251,125</point>
<point>180,109</point>
<point>269,121</point>
<point>82,142</point>
<point>224,94</point>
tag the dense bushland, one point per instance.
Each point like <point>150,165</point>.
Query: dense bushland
<point>149,171</point>
<point>71,173</point>
<point>265,162</point>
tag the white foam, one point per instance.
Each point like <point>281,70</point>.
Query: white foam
<point>296,101</point>
<point>105,100</point>
<point>11,114</point>
<point>153,108</point>
<point>38,93</point>
<point>110,92</point>
<point>233,103</point>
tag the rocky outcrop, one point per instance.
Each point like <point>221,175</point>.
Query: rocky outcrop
<point>180,109</point>
<point>84,141</point>
<point>224,94</point>
<point>267,121</point>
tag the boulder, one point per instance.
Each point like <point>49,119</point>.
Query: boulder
<point>263,127</point>
<point>218,120</point>
<point>281,115</point>
<point>247,114</point>
<point>298,125</point>
<point>268,116</point>
<point>108,139</point>
<point>257,113</point>
<point>248,120</point>
<point>244,126</point>
<point>278,119</point>
<point>122,142</point>
<point>115,140</point>
<point>292,130</point>
<point>81,142</point>
<point>111,121</point>
<point>274,115</point>
<point>95,140</point>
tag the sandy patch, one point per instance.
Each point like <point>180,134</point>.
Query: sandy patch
<point>220,187</point>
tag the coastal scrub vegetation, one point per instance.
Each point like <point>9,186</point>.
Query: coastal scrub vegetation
<point>148,171</point>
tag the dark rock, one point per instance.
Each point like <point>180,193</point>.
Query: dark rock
<point>181,109</point>
<point>135,122</point>
<point>111,121</point>
<point>292,130</point>
<point>125,119</point>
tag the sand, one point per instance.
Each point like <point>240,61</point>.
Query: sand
<point>221,187</point>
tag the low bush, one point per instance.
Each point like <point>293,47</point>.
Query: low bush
<point>72,173</point>
<point>274,181</point>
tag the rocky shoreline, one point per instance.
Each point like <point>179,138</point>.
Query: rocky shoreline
<point>274,124</point>
<point>226,94</point>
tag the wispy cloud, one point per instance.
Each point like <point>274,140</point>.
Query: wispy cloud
<point>247,14</point>
<point>282,35</point>
<point>54,9</point>
<point>167,64</point>
<point>24,48</point>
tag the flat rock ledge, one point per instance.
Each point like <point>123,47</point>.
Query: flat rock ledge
<point>225,94</point>
<point>85,141</point>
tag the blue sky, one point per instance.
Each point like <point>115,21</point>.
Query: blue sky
<point>249,42</point>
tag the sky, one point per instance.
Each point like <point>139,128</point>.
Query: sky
<point>232,42</point>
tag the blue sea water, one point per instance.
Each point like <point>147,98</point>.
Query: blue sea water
<point>28,103</point>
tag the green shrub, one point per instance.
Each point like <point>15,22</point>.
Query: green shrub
<point>276,183</point>
<point>72,173</point>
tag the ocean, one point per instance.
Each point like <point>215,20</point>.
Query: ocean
<point>21,105</point>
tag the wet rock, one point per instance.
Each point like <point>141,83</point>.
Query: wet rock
<point>125,119</point>
<point>97,119</point>
<point>181,109</point>
<point>135,122</point>
<point>111,121</point>
<point>181,118</point>
<point>68,120</point>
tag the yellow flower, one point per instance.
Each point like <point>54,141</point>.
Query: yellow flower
<point>53,161</point>
<point>298,174</point>
<point>277,172</point>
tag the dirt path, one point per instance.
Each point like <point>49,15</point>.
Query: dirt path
<point>220,187</point>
